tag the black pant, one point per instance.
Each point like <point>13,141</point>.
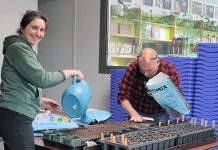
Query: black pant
<point>16,130</point>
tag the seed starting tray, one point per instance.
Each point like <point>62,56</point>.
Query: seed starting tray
<point>140,136</point>
<point>77,137</point>
<point>157,138</point>
<point>142,139</point>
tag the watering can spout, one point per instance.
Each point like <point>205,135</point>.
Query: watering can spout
<point>86,119</point>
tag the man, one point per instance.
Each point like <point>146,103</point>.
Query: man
<point>132,95</point>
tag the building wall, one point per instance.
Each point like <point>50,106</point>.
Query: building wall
<point>56,50</point>
<point>11,12</point>
<point>87,47</point>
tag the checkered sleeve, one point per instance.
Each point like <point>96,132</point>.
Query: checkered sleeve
<point>171,70</point>
<point>126,84</point>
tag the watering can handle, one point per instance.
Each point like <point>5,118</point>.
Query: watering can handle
<point>74,79</point>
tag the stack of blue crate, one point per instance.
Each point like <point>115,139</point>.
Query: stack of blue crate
<point>206,84</point>
<point>118,113</point>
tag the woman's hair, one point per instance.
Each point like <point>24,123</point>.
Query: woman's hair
<point>29,16</point>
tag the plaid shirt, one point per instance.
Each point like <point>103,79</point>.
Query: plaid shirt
<point>132,87</point>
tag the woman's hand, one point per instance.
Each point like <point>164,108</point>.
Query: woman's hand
<point>49,104</point>
<point>70,73</point>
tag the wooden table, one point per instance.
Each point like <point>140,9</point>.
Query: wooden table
<point>211,145</point>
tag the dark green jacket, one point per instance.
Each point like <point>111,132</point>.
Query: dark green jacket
<point>22,77</point>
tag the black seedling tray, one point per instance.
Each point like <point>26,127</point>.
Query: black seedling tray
<point>164,137</point>
<point>142,139</point>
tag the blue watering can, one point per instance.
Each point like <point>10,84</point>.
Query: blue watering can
<point>75,100</point>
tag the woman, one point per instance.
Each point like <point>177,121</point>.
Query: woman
<point>22,79</point>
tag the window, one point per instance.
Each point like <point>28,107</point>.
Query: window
<point>171,27</point>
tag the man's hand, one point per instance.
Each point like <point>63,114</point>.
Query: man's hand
<point>136,118</point>
<point>49,104</point>
<point>139,118</point>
